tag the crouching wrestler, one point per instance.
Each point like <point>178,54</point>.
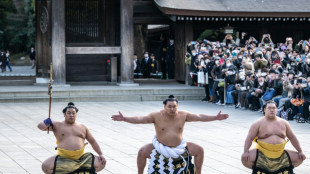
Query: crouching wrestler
<point>269,156</point>
<point>70,136</point>
<point>169,152</point>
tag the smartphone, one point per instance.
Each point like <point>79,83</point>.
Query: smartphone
<point>299,81</point>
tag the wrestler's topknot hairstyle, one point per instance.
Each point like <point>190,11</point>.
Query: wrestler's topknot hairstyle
<point>170,98</point>
<point>70,105</point>
<point>265,105</point>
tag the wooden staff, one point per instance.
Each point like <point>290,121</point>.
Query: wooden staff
<point>50,87</point>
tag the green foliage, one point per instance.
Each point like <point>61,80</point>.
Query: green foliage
<point>29,10</point>
<point>18,25</point>
<point>6,6</point>
<point>210,34</point>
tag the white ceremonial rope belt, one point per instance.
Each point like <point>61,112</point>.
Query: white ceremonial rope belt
<point>174,152</point>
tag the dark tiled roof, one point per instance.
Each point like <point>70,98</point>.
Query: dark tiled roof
<point>204,7</point>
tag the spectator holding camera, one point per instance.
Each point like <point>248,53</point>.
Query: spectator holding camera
<point>204,66</point>
<point>228,39</point>
<point>288,81</point>
<point>216,73</point>
<point>289,43</point>
<point>297,95</point>
<point>259,63</point>
<point>242,90</point>
<point>243,38</point>
<point>258,91</point>
<point>266,40</point>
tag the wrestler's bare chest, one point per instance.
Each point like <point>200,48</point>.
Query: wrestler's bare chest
<point>268,129</point>
<point>164,124</point>
<point>64,131</point>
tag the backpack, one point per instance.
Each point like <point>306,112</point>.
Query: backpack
<point>279,111</point>
<point>287,115</point>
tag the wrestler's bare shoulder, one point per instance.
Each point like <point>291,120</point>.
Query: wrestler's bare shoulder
<point>155,114</point>
<point>63,124</point>
<point>264,123</point>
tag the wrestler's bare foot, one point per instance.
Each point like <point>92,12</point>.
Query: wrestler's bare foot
<point>296,160</point>
<point>248,159</point>
<point>48,165</point>
<point>194,150</point>
<point>198,153</point>
<point>143,154</point>
<point>99,164</point>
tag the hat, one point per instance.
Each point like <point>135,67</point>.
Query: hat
<point>272,71</point>
<point>291,72</point>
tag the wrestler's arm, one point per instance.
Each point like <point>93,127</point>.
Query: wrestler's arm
<point>92,141</point>
<point>135,119</point>
<point>205,118</point>
<point>294,141</point>
<point>253,132</point>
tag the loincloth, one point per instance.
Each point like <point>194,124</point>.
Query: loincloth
<point>166,160</point>
<point>71,154</point>
<point>265,165</point>
<point>83,165</point>
<point>270,150</point>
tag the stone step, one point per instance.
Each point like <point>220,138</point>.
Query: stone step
<point>107,92</point>
<point>16,79</point>
<point>105,98</point>
<point>95,95</point>
<point>16,82</point>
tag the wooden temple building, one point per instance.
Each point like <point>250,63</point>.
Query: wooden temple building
<point>93,40</point>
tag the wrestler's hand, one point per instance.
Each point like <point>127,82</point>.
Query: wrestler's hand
<point>245,156</point>
<point>301,155</point>
<point>119,117</point>
<point>48,122</point>
<point>221,116</point>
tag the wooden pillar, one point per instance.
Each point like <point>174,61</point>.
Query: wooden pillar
<point>189,36</point>
<point>127,41</point>
<point>43,38</point>
<point>179,52</point>
<point>58,42</point>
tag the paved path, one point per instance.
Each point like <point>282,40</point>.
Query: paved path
<point>23,147</point>
<point>19,71</point>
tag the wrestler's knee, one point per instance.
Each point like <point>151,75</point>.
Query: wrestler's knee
<point>296,160</point>
<point>48,165</point>
<point>145,151</point>
<point>195,149</point>
<point>99,164</point>
<point>250,159</point>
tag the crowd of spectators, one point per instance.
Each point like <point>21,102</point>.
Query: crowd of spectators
<point>253,72</point>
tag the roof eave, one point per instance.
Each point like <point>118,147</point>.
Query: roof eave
<point>186,12</point>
